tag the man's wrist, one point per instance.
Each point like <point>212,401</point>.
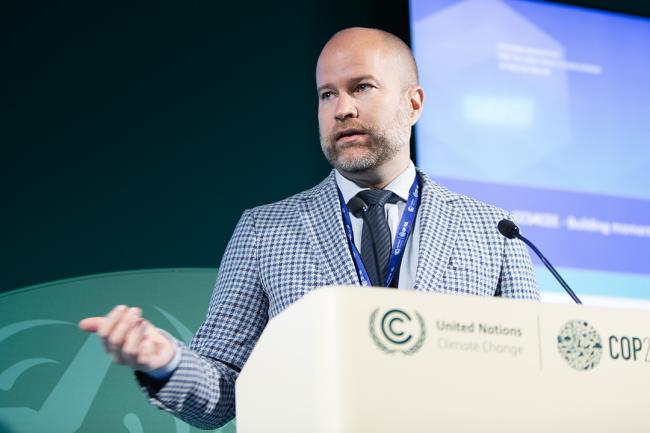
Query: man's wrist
<point>166,371</point>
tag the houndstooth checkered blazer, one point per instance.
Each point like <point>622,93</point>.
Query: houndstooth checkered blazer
<point>281,251</point>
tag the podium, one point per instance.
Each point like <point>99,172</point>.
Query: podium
<point>368,360</point>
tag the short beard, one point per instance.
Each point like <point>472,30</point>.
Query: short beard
<point>382,145</point>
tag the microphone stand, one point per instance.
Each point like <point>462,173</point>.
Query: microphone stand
<point>550,268</point>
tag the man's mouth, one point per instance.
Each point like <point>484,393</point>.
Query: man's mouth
<point>349,135</point>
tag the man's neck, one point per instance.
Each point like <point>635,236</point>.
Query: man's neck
<point>379,177</point>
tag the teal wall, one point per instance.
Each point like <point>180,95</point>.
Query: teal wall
<point>55,378</point>
<point>134,136</point>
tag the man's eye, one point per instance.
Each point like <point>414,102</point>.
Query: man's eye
<point>363,87</point>
<point>325,96</point>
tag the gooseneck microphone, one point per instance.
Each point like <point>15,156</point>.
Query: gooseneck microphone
<point>510,230</point>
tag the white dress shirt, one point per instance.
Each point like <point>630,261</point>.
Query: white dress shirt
<point>400,186</point>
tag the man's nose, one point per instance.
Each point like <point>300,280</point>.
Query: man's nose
<point>345,107</point>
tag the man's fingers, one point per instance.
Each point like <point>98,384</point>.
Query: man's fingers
<point>111,318</point>
<point>133,342</point>
<point>130,339</point>
<point>91,324</point>
<point>122,327</point>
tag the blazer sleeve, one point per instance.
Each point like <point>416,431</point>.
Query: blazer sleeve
<point>201,391</point>
<point>517,278</point>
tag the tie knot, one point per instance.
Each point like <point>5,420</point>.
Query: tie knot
<point>379,197</point>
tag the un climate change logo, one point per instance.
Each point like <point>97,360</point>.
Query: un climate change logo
<point>396,330</point>
<point>580,345</point>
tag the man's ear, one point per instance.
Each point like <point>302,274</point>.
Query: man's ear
<point>416,102</point>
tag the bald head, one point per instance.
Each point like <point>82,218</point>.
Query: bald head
<point>369,98</point>
<point>397,54</point>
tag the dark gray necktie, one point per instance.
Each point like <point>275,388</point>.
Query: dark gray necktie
<point>375,236</point>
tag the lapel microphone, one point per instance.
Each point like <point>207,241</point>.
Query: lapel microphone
<point>357,206</point>
<point>510,230</point>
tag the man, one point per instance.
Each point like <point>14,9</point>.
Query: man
<point>339,232</point>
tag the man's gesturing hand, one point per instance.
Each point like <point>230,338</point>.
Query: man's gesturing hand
<point>130,339</point>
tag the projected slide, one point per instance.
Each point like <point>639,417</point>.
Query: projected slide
<point>544,109</point>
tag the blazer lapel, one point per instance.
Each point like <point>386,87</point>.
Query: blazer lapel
<point>320,210</point>
<point>439,227</point>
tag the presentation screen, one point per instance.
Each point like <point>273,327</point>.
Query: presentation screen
<point>543,109</point>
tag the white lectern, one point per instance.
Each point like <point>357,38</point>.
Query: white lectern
<point>360,360</point>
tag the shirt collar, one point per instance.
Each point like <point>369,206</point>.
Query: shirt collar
<point>401,185</point>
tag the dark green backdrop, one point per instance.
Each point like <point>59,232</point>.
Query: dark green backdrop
<point>134,136</point>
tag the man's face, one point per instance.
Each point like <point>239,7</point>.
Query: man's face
<point>363,110</point>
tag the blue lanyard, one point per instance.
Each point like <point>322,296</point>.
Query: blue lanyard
<point>403,232</point>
